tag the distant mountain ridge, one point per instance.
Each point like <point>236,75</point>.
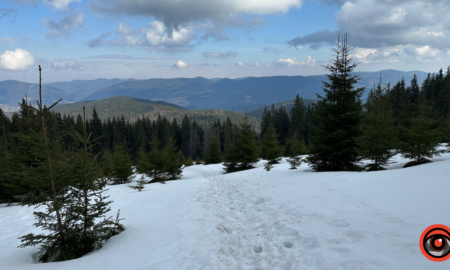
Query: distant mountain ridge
<point>242,94</point>
<point>83,88</point>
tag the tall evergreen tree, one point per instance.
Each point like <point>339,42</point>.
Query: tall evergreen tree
<point>96,129</point>
<point>297,119</point>
<point>334,146</point>
<point>246,149</point>
<point>122,164</point>
<point>153,165</point>
<point>398,102</point>
<point>171,162</point>
<point>270,146</point>
<point>41,166</point>
<point>213,154</point>
<point>281,123</point>
<point>266,119</point>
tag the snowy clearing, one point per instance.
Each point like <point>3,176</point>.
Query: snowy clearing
<point>282,219</point>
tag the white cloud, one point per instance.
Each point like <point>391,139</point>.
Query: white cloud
<point>239,64</point>
<point>291,62</point>
<point>216,64</point>
<point>180,64</point>
<point>68,64</point>
<point>6,40</point>
<point>369,55</point>
<point>157,37</point>
<point>60,4</point>
<point>426,51</point>
<point>151,37</point>
<point>16,60</point>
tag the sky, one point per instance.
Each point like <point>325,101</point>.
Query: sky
<point>143,39</point>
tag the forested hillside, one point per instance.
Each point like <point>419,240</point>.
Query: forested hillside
<point>258,113</point>
<point>133,108</point>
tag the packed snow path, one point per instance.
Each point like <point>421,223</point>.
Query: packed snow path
<point>282,219</point>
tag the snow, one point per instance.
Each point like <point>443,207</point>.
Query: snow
<point>281,219</point>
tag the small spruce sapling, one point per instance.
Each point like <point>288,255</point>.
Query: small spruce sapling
<point>268,166</point>
<point>189,162</point>
<point>198,160</point>
<point>139,184</point>
<point>296,148</point>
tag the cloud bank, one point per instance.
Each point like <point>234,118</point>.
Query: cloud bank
<point>175,13</point>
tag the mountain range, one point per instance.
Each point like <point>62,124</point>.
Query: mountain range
<point>243,94</point>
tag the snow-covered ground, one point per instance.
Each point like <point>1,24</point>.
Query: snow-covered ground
<point>282,219</point>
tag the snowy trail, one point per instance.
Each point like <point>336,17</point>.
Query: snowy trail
<point>252,234</point>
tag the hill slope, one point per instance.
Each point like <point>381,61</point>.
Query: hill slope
<point>282,219</point>
<point>133,108</point>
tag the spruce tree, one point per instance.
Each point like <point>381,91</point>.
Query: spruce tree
<point>296,148</point>
<point>171,162</point>
<point>281,124</point>
<point>46,172</point>
<point>265,120</point>
<point>334,146</point>
<point>270,146</point>
<point>247,152</point>
<point>268,166</point>
<point>122,164</point>
<point>106,162</point>
<point>141,160</point>
<point>139,184</point>
<point>89,204</point>
<point>297,118</point>
<point>96,131</point>
<point>231,154</point>
<point>379,133</point>
<point>420,136</point>
<point>154,165</point>
<point>198,161</point>
<point>181,157</point>
<point>213,154</point>
<point>189,162</point>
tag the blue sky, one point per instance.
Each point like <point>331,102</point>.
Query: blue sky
<point>89,39</point>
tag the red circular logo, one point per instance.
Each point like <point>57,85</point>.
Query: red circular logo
<point>435,243</point>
